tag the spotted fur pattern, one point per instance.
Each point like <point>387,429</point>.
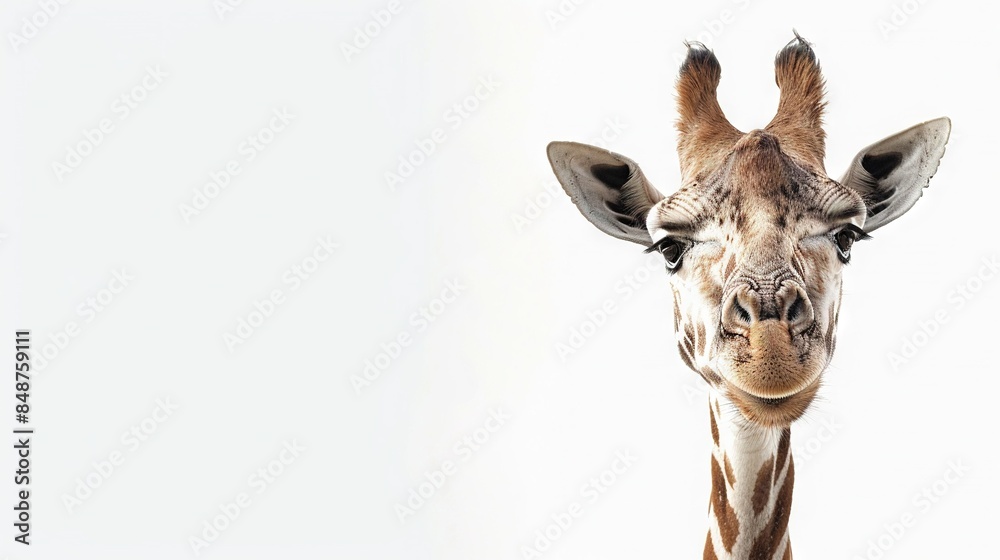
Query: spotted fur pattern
<point>752,479</point>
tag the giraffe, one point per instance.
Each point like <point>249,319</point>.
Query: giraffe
<point>754,242</point>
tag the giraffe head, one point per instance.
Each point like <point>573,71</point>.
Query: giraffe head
<point>756,238</point>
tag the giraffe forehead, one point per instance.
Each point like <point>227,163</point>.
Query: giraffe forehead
<point>760,195</point>
<point>763,193</point>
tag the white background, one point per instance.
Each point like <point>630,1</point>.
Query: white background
<point>880,433</point>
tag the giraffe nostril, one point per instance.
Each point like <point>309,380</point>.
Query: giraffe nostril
<point>795,309</point>
<point>799,312</point>
<point>741,311</point>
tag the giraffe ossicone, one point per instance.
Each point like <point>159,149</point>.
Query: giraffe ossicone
<point>754,241</point>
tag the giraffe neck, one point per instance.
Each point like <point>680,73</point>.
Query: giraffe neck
<point>752,477</point>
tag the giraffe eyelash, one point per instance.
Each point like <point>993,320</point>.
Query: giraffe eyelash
<point>859,234</point>
<point>673,262</point>
<point>656,246</point>
<point>856,234</point>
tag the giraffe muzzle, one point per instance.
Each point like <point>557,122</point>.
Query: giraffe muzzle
<point>770,378</point>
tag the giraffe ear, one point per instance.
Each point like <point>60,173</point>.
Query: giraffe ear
<point>891,174</point>
<point>609,189</point>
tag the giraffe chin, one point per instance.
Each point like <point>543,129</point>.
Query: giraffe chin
<point>773,413</point>
<point>776,376</point>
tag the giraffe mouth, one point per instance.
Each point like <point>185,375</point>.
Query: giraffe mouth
<point>773,412</point>
<point>771,376</point>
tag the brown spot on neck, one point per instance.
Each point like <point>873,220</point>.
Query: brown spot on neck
<point>685,357</point>
<point>783,444</point>
<point>689,338</point>
<point>725,515</point>
<point>762,487</point>
<point>709,553</point>
<point>730,475</point>
<point>715,427</point>
<point>770,537</point>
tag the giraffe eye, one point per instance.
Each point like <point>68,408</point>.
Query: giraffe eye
<point>845,238</point>
<point>672,249</point>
